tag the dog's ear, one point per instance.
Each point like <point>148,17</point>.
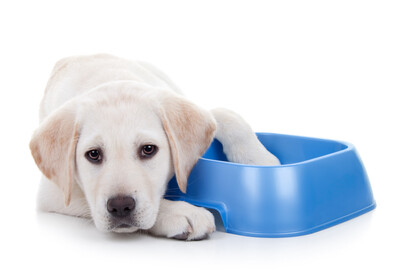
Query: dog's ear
<point>190,131</point>
<point>53,148</point>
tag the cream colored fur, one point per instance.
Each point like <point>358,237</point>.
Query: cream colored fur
<point>118,106</point>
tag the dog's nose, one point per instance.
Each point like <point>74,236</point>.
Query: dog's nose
<point>121,206</point>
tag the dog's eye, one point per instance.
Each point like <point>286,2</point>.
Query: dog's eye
<point>148,151</point>
<point>94,156</point>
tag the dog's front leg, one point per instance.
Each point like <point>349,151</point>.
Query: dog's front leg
<point>183,221</point>
<point>240,143</point>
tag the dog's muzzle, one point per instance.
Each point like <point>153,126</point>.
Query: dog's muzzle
<point>121,209</point>
<point>121,206</point>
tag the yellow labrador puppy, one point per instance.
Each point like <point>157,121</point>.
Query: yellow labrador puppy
<point>113,132</point>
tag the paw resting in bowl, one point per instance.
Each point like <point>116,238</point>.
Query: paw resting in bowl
<point>240,143</point>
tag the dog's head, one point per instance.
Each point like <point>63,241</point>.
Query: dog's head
<point>121,143</point>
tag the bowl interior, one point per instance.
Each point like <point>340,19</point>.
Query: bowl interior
<point>289,149</point>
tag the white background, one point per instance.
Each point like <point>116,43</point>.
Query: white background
<point>328,69</point>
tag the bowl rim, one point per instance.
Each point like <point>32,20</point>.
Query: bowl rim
<point>348,147</point>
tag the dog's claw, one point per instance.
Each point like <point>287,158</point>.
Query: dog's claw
<point>182,236</point>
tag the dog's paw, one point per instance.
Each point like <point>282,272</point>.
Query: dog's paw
<point>182,221</point>
<point>240,143</point>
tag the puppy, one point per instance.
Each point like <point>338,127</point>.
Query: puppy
<point>112,134</point>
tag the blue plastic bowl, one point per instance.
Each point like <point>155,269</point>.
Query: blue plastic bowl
<point>320,183</point>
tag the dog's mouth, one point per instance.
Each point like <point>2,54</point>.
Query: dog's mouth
<point>124,228</point>
<point>131,223</point>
